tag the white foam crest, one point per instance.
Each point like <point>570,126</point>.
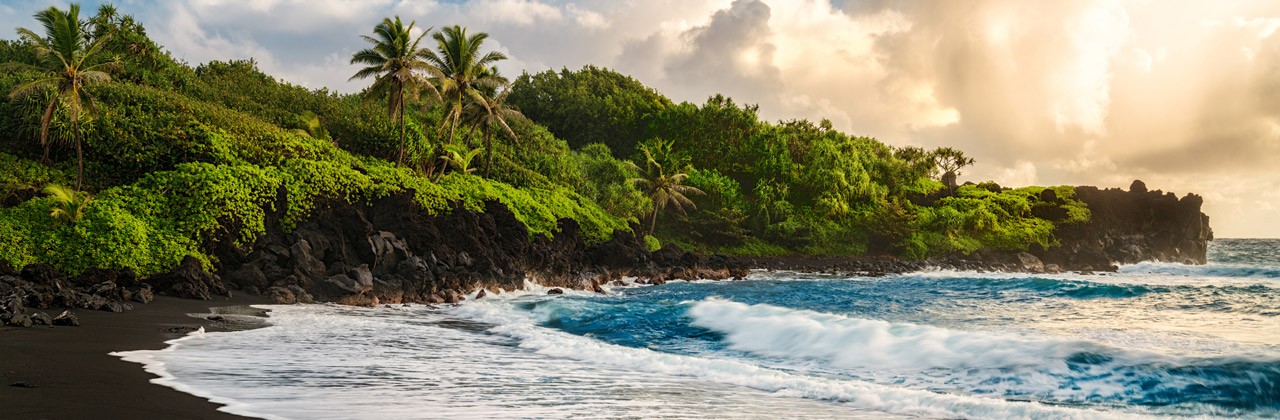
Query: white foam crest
<point>523,326</point>
<point>153,361</point>
<point>864,343</point>
<point>529,288</point>
<point>335,362</point>
<point>1142,274</point>
<point>1218,271</point>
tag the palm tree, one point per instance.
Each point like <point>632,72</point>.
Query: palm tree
<point>459,157</point>
<point>464,73</point>
<point>71,65</point>
<point>663,188</point>
<point>68,204</point>
<point>397,64</point>
<point>493,111</point>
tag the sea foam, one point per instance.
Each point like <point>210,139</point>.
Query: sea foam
<point>865,395</point>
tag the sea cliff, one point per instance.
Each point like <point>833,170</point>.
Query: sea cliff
<point>389,251</point>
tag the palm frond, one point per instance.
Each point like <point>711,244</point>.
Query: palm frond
<point>68,205</point>
<point>33,87</point>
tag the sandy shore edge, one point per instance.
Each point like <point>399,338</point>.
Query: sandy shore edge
<point>68,373</point>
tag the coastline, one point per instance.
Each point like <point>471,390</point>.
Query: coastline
<point>67,372</point>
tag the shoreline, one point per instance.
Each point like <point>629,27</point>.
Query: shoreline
<point>68,372</point>
<point>71,372</point>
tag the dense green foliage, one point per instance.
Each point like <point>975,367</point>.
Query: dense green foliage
<point>593,105</point>
<point>69,63</point>
<point>794,186</point>
<point>180,161</point>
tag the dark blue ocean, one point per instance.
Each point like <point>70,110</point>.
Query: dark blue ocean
<point>1153,340</point>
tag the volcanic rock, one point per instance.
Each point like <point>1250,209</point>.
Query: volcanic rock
<point>67,318</point>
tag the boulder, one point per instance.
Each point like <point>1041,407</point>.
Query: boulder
<point>248,276</point>
<point>301,294</point>
<point>106,289</point>
<point>281,295</point>
<point>144,294</point>
<point>307,263</point>
<point>67,319</point>
<point>7,283</point>
<point>41,318</point>
<point>13,304</point>
<point>112,306</point>
<point>668,256</point>
<point>190,281</point>
<point>19,320</point>
<point>451,296</point>
<point>555,291</point>
<point>39,274</point>
<point>1030,263</point>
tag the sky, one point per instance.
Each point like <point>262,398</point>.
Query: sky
<point>1184,95</point>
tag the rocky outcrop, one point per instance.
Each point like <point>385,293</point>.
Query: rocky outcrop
<point>22,295</point>
<point>1132,226</point>
<point>390,251</point>
<point>189,280</point>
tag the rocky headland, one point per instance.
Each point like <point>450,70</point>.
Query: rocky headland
<point>387,252</point>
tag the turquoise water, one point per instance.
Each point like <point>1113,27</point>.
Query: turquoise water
<point>1152,340</point>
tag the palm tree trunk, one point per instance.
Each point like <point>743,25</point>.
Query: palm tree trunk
<point>79,158</point>
<point>400,156</point>
<point>467,140</point>
<point>488,151</point>
<point>653,220</point>
<point>454,126</point>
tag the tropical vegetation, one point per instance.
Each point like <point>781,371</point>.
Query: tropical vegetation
<point>70,65</point>
<point>182,161</point>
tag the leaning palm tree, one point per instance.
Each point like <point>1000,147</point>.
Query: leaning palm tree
<point>464,72</point>
<point>663,188</point>
<point>398,66</point>
<point>71,64</point>
<point>492,112</point>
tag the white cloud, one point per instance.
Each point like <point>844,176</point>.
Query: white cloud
<point>587,18</point>
<point>516,12</point>
<point>1022,173</point>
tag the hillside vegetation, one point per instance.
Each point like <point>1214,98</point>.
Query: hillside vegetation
<point>179,160</point>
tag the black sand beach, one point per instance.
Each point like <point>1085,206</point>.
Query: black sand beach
<point>67,373</point>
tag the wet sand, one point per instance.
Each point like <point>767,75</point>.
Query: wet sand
<point>67,373</point>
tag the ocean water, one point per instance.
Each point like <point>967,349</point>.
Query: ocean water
<point>1153,340</point>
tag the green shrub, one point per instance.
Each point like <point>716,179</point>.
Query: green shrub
<point>22,174</point>
<point>652,243</point>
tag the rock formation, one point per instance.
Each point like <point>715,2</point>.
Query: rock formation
<point>389,251</point>
<point>1132,226</point>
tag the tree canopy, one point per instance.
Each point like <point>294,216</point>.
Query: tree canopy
<point>180,159</point>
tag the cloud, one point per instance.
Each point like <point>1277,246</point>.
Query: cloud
<point>587,18</point>
<point>732,51</point>
<point>515,12</point>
